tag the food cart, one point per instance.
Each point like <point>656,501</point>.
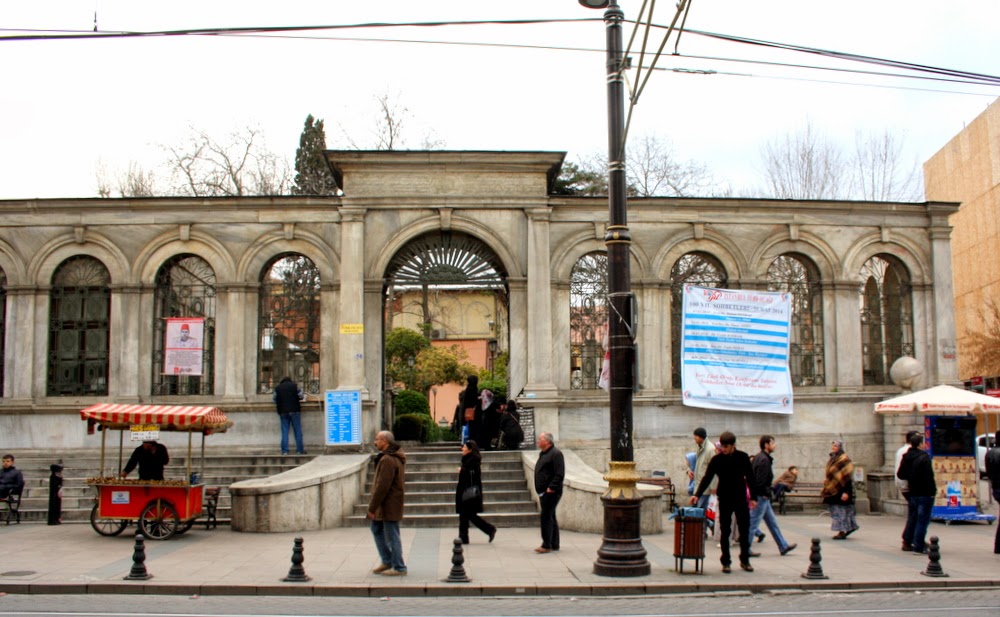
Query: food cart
<point>161,508</point>
<point>950,436</point>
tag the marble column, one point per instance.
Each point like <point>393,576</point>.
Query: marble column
<point>943,345</point>
<point>847,332</point>
<point>20,344</point>
<point>540,344</point>
<point>352,327</point>
<point>123,383</point>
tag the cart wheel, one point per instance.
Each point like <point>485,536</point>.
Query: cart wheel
<point>106,526</point>
<point>185,526</point>
<point>158,521</point>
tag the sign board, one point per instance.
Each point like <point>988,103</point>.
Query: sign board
<point>183,345</point>
<point>734,349</point>
<point>121,497</point>
<point>144,432</point>
<point>993,392</point>
<point>352,328</point>
<point>342,410</point>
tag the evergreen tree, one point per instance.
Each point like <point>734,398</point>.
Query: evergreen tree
<point>312,175</point>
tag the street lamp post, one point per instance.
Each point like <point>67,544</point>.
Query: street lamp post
<point>493,357</point>
<point>621,552</point>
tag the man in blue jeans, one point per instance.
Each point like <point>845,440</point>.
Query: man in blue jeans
<point>918,472</point>
<point>288,399</point>
<point>763,478</point>
<point>385,508</point>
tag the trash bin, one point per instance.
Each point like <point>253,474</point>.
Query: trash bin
<point>55,494</point>
<point>689,538</point>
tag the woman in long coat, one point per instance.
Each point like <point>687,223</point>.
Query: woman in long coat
<point>470,399</point>
<point>838,491</point>
<point>470,474</point>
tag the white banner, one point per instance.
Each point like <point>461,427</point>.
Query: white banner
<point>184,345</point>
<point>734,350</point>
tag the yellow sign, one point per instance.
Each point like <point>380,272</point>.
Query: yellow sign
<point>141,432</point>
<point>352,328</point>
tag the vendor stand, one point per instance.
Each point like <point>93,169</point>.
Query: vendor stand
<point>950,436</point>
<point>161,508</point>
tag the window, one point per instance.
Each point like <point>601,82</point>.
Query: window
<point>588,319</point>
<point>288,324</point>
<point>185,287</point>
<point>886,303</point>
<point>79,327</point>
<point>798,275</point>
<point>692,268</point>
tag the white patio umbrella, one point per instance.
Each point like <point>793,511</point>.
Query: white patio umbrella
<point>940,400</point>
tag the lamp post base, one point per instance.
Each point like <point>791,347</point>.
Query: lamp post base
<point>621,553</point>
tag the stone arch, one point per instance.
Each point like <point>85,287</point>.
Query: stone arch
<point>158,251</point>
<point>712,243</point>
<point>58,250</point>
<point>269,246</point>
<point>911,254</point>
<point>818,251</point>
<point>12,265</point>
<point>569,252</point>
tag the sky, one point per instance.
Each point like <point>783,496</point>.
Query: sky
<point>68,107</point>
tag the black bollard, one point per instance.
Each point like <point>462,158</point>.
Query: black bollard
<point>297,574</point>
<point>55,494</point>
<point>815,571</point>
<point>934,560</point>
<point>457,574</point>
<point>138,571</point>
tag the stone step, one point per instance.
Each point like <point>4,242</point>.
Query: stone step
<point>501,520</point>
<point>448,507</point>
<point>443,496</point>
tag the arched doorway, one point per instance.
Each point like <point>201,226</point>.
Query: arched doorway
<point>451,289</point>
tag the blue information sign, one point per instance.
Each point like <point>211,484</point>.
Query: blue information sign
<point>343,417</point>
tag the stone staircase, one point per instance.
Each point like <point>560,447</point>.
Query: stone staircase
<point>222,468</point>
<point>431,475</point>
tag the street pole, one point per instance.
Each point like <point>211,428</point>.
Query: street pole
<point>621,552</point>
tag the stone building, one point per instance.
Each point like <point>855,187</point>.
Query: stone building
<point>297,285</point>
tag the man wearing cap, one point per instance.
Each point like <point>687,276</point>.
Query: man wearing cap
<point>185,340</point>
<point>151,457</point>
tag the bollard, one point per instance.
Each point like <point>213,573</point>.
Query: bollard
<point>55,494</point>
<point>457,574</point>
<point>297,574</point>
<point>138,571</point>
<point>815,571</point>
<point>934,560</point>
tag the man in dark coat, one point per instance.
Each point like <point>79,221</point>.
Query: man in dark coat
<point>288,399</point>
<point>993,473</point>
<point>151,457</point>
<point>735,474</point>
<point>385,508</point>
<point>918,472</point>
<point>11,480</point>
<point>763,477</point>
<point>550,470</point>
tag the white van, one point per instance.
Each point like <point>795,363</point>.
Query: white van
<point>983,443</point>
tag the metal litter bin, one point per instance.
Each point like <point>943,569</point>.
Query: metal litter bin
<point>689,538</point>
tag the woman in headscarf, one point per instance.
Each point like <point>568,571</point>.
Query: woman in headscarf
<point>468,507</point>
<point>470,399</point>
<point>838,491</point>
<point>491,407</point>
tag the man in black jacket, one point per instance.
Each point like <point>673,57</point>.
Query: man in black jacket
<point>735,474</point>
<point>918,472</point>
<point>993,473</point>
<point>288,399</point>
<point>151,457</point>
<point>763,478</point>
<point>549,473</point>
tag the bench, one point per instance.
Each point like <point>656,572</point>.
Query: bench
<point>804,494</point>
<point>211,504</point>
<point>664,482</point>
<point>13,502</point>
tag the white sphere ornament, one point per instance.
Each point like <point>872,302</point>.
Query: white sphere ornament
<point>905,372</point>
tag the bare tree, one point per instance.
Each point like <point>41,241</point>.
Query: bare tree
<point>879,173</point>
<point>984,345</point>
<point>389,132</point>
<point>133,182</point>
<point>240,166</point>
<point>804,165</point>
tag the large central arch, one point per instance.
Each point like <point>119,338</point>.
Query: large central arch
<point>449,285</point>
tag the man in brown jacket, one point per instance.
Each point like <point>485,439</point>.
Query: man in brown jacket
<point>385,509</point>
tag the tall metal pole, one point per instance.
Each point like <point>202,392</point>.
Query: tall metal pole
<point>621,552</point>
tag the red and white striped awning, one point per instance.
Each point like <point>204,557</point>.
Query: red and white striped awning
<point>168,417</point>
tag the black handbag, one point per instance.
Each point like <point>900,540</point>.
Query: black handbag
<point>471,492</point>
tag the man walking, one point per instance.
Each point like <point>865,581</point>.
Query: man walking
<point>549,473</point>
<point>385,508</point>
<point>904,490</point>
<point>732,468</point>
<point>993,473</point>
<point>288,399</point>
<point>763,477</point>
<point>918,472</point>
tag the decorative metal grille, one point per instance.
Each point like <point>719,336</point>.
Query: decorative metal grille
<point>3,324</point>
<point>79,327</point>
<point>288,328</point>
<point>886,299</point>
<point>446,258</point>
<point>185,287</point>
<point>588,319</point>
<point>697,269</point>
<point>798,275</point>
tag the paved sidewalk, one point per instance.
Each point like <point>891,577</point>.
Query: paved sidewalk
<point>72,558</point>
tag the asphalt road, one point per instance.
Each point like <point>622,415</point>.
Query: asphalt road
<point>951,603</point>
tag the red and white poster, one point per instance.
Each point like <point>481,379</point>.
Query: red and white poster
<point>184,346</point>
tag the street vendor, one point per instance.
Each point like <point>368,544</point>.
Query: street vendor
<point>151,457</point>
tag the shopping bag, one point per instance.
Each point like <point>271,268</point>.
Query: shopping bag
<point>712,512</point>
<point>465,433</point>
<point>470,414</point>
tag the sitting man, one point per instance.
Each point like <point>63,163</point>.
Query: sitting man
<point>151,457</point>
<point>11,480</point>
<point>785,482</point>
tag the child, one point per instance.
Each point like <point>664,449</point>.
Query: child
<point>785,482</point>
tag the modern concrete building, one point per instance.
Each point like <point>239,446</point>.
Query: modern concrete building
<point>298,285</point>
